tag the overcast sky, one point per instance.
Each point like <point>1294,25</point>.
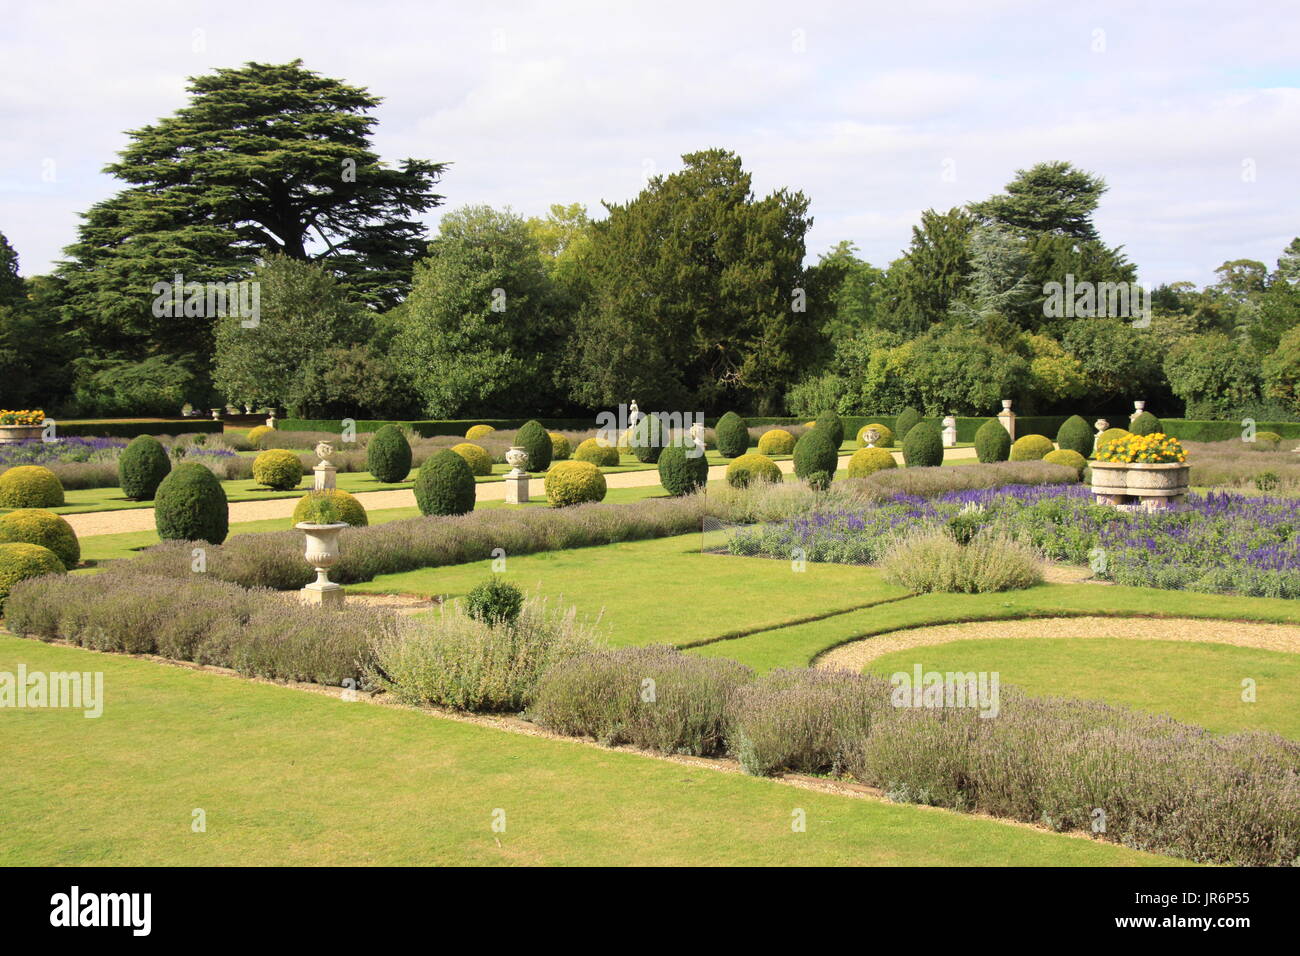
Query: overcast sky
<point>1189,110</point>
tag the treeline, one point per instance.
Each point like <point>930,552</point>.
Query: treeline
<point>691,295</point>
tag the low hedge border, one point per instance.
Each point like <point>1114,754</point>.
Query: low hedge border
<point>111,429</point>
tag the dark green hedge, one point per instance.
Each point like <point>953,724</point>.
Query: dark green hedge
<point>115,429</point>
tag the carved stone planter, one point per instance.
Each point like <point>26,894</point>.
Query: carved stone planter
<point>322,553</point>
<point>517,478</point>
<point>15,433</point>
<point>1150,486</point>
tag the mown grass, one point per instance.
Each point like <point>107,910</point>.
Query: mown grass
<point>291,778</point>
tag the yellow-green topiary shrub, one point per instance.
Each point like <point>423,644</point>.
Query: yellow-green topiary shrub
<point>278,469</point>
<point>346,506</point>
<point>1268,438</point>
<point>1109,435</point>
<point>256,433</point>
<point>20,561</point>
<point>778,441</point>
<point>1031,448</point>
<point>1068,457</point>
<point>476,456</point>
<point>560,447</point>
<point>591,450</point>
<point>30,486</point>
<point>886,439</point>
<point>479,431</point>
<point>811,424</point>
<point>750,469</point>
<point>574,483</point>
<point>34,526</point>
<point>868,461</point>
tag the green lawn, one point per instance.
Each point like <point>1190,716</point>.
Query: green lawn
<point>292,778</point>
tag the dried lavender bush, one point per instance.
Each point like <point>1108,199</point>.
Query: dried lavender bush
<point>1238,464</point>
<point>929,482</point>
<point>931,560</point>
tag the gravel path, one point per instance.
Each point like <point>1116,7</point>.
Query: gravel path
<point>141,519</point>
<point>856,655</point>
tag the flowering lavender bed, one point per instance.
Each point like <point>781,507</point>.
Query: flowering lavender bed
<point>37,452</point>
<point>1215,542</point>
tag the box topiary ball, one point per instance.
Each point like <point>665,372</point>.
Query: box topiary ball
<point>731,436</point>
<point>444,485</point>
<point>1068,457</point>
<point>346,506</point>
<point>992,443</point>
<point>923,446</point>
<point>388,455</point>
<point>34,526</point>
<point>778,441</point>
<point>256,434</point>
<point>535,440</point>
<point>1108,436</point>
<point>479,431</point>
<point>1145,424</point>
<point>476,456</point>
<point>191,506</point>
<point>142,466</point>
<point>560,447</point>
<point>886,439</point>
<point>278,469</point>
<point>30,486</point>
<point>574,483</point>
<point>494,602</point>
<point>815,457</point>
<point>680,471</point>
<point>591,450</point>
<point>832,426</point>
<point>647,439</point>
<point>906,421</point>
<point>1031,448</point>
<point>751,469</point>
<point>1075,435</point>
<point>20,561</point>
<point>868,461</point>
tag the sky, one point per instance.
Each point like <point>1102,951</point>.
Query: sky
<point>1190,111</point>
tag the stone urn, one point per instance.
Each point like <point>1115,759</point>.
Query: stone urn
<point>516,458</point>
<point>1148,486</point>
<point>16,433</point>
<point>216,414</point>
<point>322,553</point>
<point>517,479</point>
<point>270,421</point>
<point>324,470</point>
<point>1138,409</point>
<point>949,431</point>
<point>870,437</point>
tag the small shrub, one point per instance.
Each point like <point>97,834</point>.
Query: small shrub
<point>1068,457</point>
<point>815,457</point>
<point>278,469</point>
<point>751,469</point>
<point>574,483</point>
<point>923,446</point>
<point>345,506</point>
<point>494,602</point>
<point>602,456</point>
<point>1268,438</point>
<point>476,456</point>
<point>20,561</point>
<point>992,442</point>
<point>1145,424</point>
<point>934,561</point>
<point>1075,435</point>
<point>907,419</point>
<point>476,432</point>
<point>30,486</point>
<point>256,433</point>
<point>535,440</point>
<point>1267,481</point>
<point>681,472</point>
<point>731,436</point>
<point>560,447</point>
<point>45,528</point>
<point>1031,448</point>
<point>191,505</point>
<point>867,461</point>
<point>777,441</point>
<point>141,468</point>
<point>444,485</point>
<point>1108,436</point>
<point>831,426</point>
<point>388,455</point>
<point>647,440</point>
<point>886,439</point>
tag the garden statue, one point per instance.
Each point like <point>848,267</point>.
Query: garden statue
<point>325,471</point>
<point>949,431</point>
<point>633,415</point>
<point>517,477</point>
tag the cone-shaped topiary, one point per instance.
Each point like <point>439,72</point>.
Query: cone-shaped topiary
<point>277,468</point>
<point>648,439</point>
<point>868,461</point>
<point>777,441</point>
<point>30,486</point>
<point>731,436</point>
<point>560,447</point>
<point>1030,448</point>
<point>886,439</point>
<point>602,456</point>
<point>815,458</point>
<point>1075,435</point>
<point>34,526</point>
<point>444,485</point>
<point>831,425</point>
<point>923,446</point>
<point>388,456</point>
<point>20,561</point>
<point>1068,457</point>
<point>535,440</point>
<point>574,483</point>
<point>476,456</point>
<point>992,443</point>
<point>346,506</point>
<point>142,466</point>
<point>1145,424</point>
<point>680,470</point>
<point>906,421</point>
<point>191,506</point>
<point>751,469</point>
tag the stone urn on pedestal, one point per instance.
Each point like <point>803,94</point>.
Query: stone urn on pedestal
<point>322,553</point>
<point>870,437</point>
<point>1008,418</point>
<point>949,431</point>
<point>517,477</point>
<point>270,419</point>
<point>216,414</point>
<point>1138,409</point>
<point>324,471</point>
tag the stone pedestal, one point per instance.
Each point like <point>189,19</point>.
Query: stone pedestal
<point>1008,418</point>
<point>517,489</point>
<point>329,594</point>
<point>325,476</point>
<point>949,432</point>
<point>1138,409</point>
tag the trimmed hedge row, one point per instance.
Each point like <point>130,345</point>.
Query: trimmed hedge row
<point>113,429</point>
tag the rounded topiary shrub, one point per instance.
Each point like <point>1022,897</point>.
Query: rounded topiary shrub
<point>560,447</point>
<point>346,506</point>
<point>907,419</point>
<point>868,461</point>
<point>30,486</point>
<point>923,446</point>
<point>142,466</point>
<point>1075,435</point>
<point>1109,435</point>
<point>479,431</point>
<point>648,439</point>
<point>278,469</point>
<point>680,471</point>
<point>992,443</point>
<point>256,434</point>
<point>444,485</point>
<point>535,440</point>
<point>778,441</point>
<point>191,506</point>
<point>388,455</point>
<point>731,436</point>
<point>1268,438</point>
<point>1145,424</point>
<point>815,458</point>
<point>591,450</point>
<point>34,526</point>
<point>1068,457</point>
<point>20,561</point>
<point>1031,447</point>
<point>494,602</point>
<point>476,456</point>
<point>751,469</point>
<point>831,426</point>
<point>574,483</point>
<point>886,439</point>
